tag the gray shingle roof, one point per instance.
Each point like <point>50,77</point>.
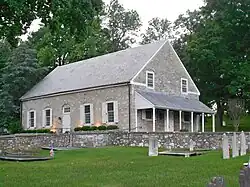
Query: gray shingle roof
<point>113,68</point>
<point>162,100</point>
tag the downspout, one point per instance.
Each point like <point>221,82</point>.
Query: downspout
<point>21,116</point>
<point>129,107</point>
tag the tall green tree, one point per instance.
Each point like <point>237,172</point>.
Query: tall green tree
<point>74,16</point>
<point>183,27</point>
<point>219,52</point>
<point>123,25</point>
<point>73,33</point>
<point>17,16</point>
<point>20,74</point>
<point>5,50</point>
<point>158,29</point>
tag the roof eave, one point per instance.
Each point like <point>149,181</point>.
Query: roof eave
<point>22,99</point>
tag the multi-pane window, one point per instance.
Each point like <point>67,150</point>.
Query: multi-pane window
<point>150,79</point>
<point>66,109</point>
<point>184,85</point>
<point>32,119</point>
<point>186,116</point>
<point>48,117</point>
<point>148,114</point>
<point>111,112</point>
<point>87,114</point>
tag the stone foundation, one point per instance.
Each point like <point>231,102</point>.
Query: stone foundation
<point>101,139</point>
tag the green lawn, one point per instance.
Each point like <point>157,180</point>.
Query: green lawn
<point>120,166</point>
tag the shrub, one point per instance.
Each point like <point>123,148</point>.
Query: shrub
<point>93,128</point>
<point>78,129</point>
<point>86,128</point>
<point>36,131</point>
<point>112,127</point>
<point>184,130</point>
<point>102,128</point>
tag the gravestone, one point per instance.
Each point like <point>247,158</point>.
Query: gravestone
<point>225,147</point>
<point>191,145</point>
<point>153,146</point>
<point>235,147</point>
<point>242,144</point>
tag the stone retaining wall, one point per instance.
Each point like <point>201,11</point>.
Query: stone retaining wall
<point>101,139</point>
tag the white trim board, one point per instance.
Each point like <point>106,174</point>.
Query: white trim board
<point>148,61</point>
<point>146,103</point>
<point>138,84</point>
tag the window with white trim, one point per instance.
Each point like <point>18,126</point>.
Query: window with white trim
<point>184,86</point>
<point>66,109</point>
<point>111,112</point>
<point>48,117</point>
<point>32,118</point>
<point>150,78</point>
<point>87,114</point>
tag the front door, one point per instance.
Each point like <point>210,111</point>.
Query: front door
<point>66,120</point>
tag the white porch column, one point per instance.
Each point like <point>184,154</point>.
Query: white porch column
<point>136,121</point>
<point>166,121</point>
<point>203,122</point>
<point>213,122</point>
<point>153,119</point>
<point>180,119</point>
<point>192,121</point>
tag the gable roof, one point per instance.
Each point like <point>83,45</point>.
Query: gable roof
<point>162,100</point>
<point>109,69</point>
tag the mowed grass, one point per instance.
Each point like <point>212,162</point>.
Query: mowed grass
<point>120,167</point>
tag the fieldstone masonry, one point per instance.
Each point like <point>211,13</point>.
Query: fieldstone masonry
<point>101,139</point>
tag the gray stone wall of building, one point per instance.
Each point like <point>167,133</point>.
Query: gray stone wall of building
<point>75,100</point>
<point>168,73</point>
<point>102,139</point>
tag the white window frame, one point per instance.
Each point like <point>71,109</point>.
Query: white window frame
<point>144,115</point>
<point>110,122</point>
<point>183,79</point>
<point>45,119</point>
<point>84,122</point>
<point>150,72</point>
<point>105,112</point>
<point>67,106</point>
<point>28,119</point>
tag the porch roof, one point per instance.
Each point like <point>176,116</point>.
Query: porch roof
<point>162,100</point>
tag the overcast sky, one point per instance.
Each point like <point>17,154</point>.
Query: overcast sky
<point>148,9</point>
<point>169,9</point>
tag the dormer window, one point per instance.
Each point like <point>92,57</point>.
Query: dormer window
<point>150,79</point>
<point>184,86</point>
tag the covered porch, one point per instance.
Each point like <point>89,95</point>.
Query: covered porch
<point>158,112</point>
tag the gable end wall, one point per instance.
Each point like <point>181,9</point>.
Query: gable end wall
<point>168,73</point>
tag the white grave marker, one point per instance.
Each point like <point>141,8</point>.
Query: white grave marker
<point>225,147</point>
<point>235,147</point>
<point>242,144</point>
<point>153,146</point>
<point>191,145</point>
